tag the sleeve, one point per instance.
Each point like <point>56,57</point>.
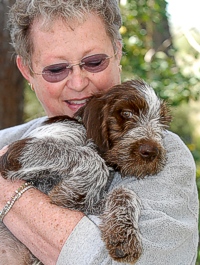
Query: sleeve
<point>84,246</point>
<point>169,216</point>
<point>9,135</point>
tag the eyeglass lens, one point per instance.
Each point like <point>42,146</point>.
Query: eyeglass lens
<point>93,64</point>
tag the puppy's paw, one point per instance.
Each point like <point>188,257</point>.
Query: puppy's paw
<point>119,226</point>
<point>123,242</point>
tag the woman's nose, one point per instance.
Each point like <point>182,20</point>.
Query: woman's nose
<point>77,79</point>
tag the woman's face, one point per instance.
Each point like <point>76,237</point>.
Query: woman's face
<point>64,44</point>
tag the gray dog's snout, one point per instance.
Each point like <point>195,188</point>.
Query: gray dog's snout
<point>148,151</point>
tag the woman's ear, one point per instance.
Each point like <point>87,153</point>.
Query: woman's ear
<point>24,69</point>
<point>119,50</point>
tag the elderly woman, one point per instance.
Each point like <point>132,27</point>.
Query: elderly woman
<point>67,50</point>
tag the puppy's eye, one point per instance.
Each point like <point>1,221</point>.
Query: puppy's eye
<point>127,114</point>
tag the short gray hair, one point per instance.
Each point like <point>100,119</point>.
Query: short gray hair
<point>23,13</point>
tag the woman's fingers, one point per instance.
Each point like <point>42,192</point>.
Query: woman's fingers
<point>3,150</point>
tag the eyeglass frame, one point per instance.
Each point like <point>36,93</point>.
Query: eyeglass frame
<point>70,66</point>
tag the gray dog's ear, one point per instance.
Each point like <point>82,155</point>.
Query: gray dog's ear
<point>93,116</point>
<point>10,160</point>
<point>165,114</point>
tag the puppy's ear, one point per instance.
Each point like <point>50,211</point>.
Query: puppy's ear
<point>10,160</point>
<point>165,115</point>
<point>93,116</point>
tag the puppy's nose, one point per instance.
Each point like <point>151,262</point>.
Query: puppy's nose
<point>148,151</point>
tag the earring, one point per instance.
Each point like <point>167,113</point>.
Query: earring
<point>31,86</point>
<point>120,67</point>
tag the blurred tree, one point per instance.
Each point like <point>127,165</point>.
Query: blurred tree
<point>149,51</point>
<point>11,81</point>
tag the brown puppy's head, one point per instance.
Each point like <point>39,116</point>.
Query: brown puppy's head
<point>126,123</point>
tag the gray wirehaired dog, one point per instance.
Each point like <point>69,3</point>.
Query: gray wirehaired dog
<point>125,125</point>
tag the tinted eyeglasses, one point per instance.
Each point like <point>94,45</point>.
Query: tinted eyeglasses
<point>57,72</point>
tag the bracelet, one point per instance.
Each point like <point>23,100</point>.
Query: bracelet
<point>14,198</point>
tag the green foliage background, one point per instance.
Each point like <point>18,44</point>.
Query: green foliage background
<point>142,21</point>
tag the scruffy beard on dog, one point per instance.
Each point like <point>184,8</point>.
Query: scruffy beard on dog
<point>69,160</point>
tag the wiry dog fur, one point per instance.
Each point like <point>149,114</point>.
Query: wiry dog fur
<point>126,125</point>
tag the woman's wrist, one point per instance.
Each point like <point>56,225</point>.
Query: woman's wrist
<point>7,187</point>
<point>7,190</point>
<point>18,193</point>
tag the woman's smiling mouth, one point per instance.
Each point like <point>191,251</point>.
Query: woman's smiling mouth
<point>76,104</point>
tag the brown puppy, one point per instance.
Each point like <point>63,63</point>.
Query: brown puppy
<point>126,125</point>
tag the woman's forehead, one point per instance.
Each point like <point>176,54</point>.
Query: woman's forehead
<point>80,37</point>
<point>91,25</point>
